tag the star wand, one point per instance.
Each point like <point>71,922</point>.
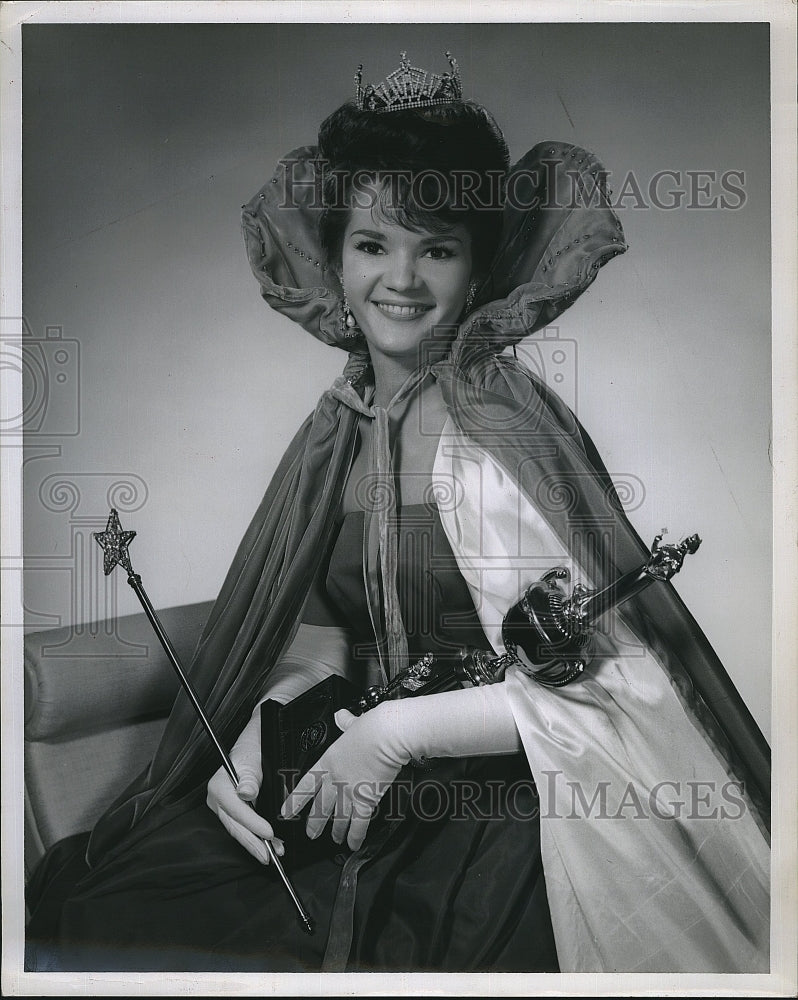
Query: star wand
<point>114,542</point>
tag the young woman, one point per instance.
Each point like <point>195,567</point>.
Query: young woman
<point>617,823</point>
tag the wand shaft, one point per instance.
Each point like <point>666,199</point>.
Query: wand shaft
<point>135,582</point>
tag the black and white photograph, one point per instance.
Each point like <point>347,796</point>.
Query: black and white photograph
<point>399,477</point>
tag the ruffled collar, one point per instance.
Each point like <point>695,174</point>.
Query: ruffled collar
<point>558,230</point>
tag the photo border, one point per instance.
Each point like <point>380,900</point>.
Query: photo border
<point>784,210</point>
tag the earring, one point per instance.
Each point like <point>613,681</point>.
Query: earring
<point>470,294</point>
<point>348,321</point>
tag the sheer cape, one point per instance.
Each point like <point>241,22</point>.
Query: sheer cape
<point>552,248</point>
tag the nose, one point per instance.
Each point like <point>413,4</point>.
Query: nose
<point>401,273</point>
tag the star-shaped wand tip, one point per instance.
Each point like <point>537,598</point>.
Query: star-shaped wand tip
<point>114,543</point>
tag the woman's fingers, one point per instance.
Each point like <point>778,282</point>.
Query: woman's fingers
<point>254,845</point>
<point>247,840</point>
<point>223,796</point>
<point>340,825</point>
<point>306,789</point>
<point>327,802</point>
<point>358,828</point>
<point>233,806</point>
<point>248,787</point>
<point>244,814</point>
<point>327,798</point>
<point>343,719</point>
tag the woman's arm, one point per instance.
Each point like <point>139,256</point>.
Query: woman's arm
<point>353,774</point>
<point>316,652</point>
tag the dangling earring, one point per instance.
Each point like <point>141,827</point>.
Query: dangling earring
<point>348,321</point>
<point>470,294</point>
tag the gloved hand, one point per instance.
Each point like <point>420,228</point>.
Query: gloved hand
<point>353,774</point>
<point>316,652</point>
<point>349,779</point>
<point>233,805</point>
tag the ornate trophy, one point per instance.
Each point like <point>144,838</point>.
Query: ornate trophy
<point>546,633</point>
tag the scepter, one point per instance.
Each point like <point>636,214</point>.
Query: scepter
<point>114,542</point>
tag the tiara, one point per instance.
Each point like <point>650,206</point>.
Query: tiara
<point>409,87</point>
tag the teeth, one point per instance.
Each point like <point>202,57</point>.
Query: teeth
<point>394,310</point>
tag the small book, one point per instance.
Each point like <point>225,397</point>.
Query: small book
<point>293,738</point>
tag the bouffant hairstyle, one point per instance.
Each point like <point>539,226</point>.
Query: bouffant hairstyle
<point>426,169</point>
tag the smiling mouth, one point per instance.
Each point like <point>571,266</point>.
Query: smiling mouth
<point>401,311</point>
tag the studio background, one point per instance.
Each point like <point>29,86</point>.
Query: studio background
<point>181,388</point>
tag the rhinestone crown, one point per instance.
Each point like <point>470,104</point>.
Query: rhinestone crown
<point>409,87</point>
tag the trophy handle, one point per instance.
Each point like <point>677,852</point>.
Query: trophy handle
<point>553,634</point>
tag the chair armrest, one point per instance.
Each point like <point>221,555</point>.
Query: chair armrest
<point>97,677</point>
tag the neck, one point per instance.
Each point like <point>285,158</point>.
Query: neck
<point>390,374</point>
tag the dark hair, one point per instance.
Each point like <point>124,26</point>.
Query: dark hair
<point>428,170</point>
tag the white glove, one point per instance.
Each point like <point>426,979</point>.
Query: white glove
<point>316,652</point>
<point>352,775</point>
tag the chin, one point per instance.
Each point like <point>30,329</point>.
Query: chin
<point>401,343</point>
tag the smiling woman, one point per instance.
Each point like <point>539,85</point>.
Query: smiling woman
<point>402,287</point>
<point>434,483</point>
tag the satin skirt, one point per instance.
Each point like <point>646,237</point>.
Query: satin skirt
<point>454,882</point>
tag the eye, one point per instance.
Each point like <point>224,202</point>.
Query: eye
<point>369,247</point>
<point>440,253</point>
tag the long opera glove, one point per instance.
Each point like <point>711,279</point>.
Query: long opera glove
<point>350,778</point>
<point>316,652</point>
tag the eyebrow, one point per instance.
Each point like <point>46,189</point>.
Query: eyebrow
<point>373,234</point>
